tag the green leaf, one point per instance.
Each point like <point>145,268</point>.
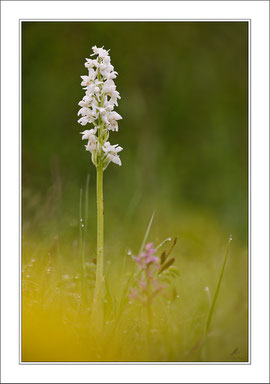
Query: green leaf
<point>173,245</point>
<point>163,257</point>
<point>166,265</point>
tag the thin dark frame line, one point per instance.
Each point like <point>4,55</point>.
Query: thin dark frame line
<point>224,1</point>
<point>249,190</point>
<point>20,189</point>
<point>132,363</point>
<point>135,20</point>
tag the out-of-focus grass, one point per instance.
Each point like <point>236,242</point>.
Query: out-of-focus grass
<point>56,312</point>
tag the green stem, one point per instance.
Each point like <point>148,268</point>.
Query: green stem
<point>98,296</point>
<point>100,223</point>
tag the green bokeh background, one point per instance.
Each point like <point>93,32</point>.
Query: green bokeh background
<point>184,89</point>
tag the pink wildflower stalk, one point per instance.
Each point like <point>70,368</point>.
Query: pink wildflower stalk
<point>148,286</point>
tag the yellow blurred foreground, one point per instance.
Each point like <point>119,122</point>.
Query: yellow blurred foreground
<point>56,307</point>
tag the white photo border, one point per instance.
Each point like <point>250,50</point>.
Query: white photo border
<point>20,202</point>
<point>11,185</point>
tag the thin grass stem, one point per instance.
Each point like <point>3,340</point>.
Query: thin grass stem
<point>212,308</point>
<point>86,201</point>
<point>147,233</point>
<point>81,250</point>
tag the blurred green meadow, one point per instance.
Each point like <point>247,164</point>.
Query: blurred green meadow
<point>184,102</point>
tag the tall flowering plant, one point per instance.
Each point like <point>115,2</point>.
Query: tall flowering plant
<point>97,109</point>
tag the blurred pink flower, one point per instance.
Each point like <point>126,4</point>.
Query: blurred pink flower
<point>147,257</point>
<point>148,286</point>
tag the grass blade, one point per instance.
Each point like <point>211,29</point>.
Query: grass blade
<point>81,248</point>
<point>86,201</point>
<point>212,308</point>
<point>147,233</point>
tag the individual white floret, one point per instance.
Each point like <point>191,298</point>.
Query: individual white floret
<point>89,63</point>
<point>109,87</point>
<point>84,111</point>
<point>85,102</point>
<point>92,139</point>
<point>87,80</point>
<point>102,53</point>
<point>112,152</point>
<point>87,134</point>
<point>113,117</point>
<point>89,117</point>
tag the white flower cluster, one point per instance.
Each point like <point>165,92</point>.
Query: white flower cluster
<point>97,108</point>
